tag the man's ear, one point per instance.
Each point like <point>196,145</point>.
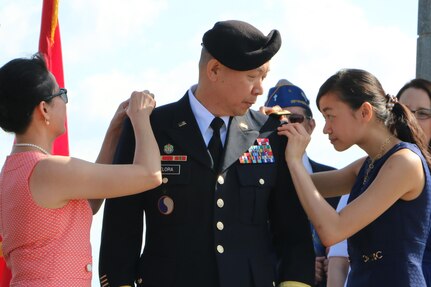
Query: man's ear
<point>312,124</point>
<point>213,69</point>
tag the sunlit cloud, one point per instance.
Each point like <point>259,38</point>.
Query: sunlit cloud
<point>104,27</point>
<point>17,29</point>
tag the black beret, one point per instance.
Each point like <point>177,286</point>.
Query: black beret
<point>239,45</point>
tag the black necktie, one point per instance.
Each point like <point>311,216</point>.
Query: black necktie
<point>215,146</point>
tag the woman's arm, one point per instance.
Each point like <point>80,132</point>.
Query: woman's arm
<point>58,179</point>
<point>337,182</point>
<point>109,145</point>
<point>386,189</point>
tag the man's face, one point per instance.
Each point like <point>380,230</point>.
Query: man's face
<point>309,124</point>
<point>238,90</point>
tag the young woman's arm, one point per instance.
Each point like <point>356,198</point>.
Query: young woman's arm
<point>386,189</point>
<point>337,182</point>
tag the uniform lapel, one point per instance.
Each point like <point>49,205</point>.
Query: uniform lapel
<point>185,133</point>
<point>240,137</point>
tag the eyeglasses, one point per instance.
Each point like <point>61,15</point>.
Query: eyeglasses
<point>296,118</point>
<point>62,93</point>
<point>422,114</point>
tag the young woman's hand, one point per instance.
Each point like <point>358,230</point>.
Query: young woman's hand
<point>298,140</point>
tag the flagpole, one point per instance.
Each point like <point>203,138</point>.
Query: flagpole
<point>423,60</point>
<point>50,47</point>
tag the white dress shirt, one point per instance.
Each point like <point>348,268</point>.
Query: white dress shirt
<point>204,118</point>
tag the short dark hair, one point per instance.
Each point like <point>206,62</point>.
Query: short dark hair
<point>24,83</point>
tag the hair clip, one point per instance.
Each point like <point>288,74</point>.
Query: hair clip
<point>392,100</point>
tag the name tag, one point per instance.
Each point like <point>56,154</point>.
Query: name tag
<point>171,169</point>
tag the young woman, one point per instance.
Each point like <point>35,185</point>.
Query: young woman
<point>387,218</point>
<point>45,214</point>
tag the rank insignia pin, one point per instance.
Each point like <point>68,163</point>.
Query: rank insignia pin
<point>168,149</point>
<point>243,126</point>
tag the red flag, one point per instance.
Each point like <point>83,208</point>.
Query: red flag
<point>50,46</point>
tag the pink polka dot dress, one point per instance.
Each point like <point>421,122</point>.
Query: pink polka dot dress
<point>42,246</point>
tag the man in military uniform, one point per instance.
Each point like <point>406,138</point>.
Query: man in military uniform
<point>227,214</point>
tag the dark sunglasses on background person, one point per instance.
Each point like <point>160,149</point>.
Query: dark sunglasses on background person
<point>422,114</point>
<point>291,118</point>
<point>61,93</point>
<point>296,118</point>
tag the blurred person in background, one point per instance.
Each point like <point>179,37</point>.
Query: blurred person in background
<point>338,257</point>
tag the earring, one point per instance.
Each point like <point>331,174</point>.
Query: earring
<point>47,122</point>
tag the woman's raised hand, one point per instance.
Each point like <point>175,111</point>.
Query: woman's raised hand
<point>140,103</point>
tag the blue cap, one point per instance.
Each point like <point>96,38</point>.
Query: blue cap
<point>285,95</point>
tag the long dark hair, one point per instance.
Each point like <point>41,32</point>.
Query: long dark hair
<point>354,87</point>
<point>24,83</point>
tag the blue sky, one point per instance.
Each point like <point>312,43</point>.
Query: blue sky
<point>111,48</point>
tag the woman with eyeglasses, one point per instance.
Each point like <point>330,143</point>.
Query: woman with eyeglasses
<point>416,95</point>
<point>47,201</point>
<point>388,215</point>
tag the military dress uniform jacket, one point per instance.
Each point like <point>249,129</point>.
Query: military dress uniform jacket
<point>240,227</point>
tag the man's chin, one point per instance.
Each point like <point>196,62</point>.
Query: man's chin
<point>241,113</point>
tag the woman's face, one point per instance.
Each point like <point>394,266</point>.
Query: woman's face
<point>418,100</point>
<point>342,125</point>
